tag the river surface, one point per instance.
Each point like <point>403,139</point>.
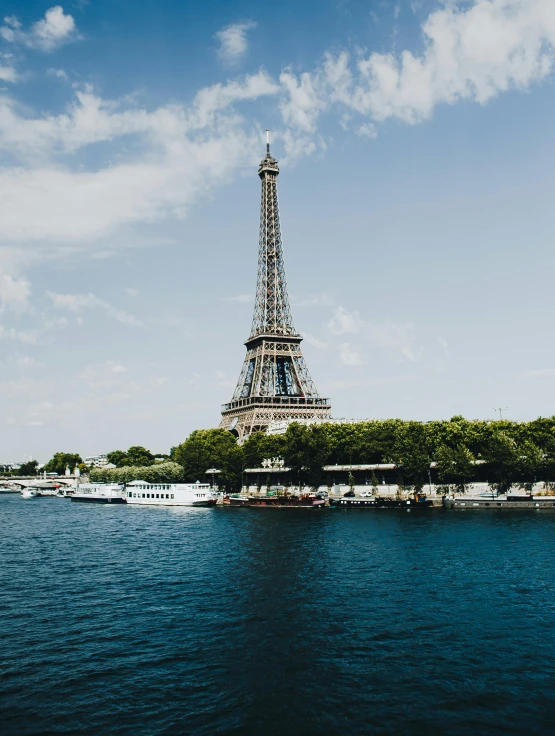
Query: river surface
<point>119,620</point>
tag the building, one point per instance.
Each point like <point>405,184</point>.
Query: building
<point>274,384</point>
<point>96,461</point>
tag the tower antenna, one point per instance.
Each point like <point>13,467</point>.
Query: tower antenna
<point>267,141</point>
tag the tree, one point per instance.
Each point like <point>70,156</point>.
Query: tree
<point>29,468</point>
<point>118,458</point>
<point>306,452</point>
<point>502,458</point>
<point>260,446</point>
<point>61,461</point>
<point>138,455</point>
<point>455,465</point>
<point>411,451</point>
<point>210,448</point>
<point>160,473</point>
<point>528,464</point>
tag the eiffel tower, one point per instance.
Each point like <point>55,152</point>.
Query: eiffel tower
<point>274,383</point>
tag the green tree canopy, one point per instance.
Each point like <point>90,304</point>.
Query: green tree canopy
<point>306,451</point>
<point>118,458</point>
<point>29,468</point>
<point>455,465</point>
<point>411,451</point>
<point>159,473</point>
<point>61,461</point>
<point>502,457</point>
<point>136,455</point>
<point>210,448</point>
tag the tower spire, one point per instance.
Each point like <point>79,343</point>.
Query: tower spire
<point>274,383</point>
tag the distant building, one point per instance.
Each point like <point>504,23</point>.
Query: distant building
<point>96,461</point>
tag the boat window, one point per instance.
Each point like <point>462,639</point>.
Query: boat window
<point>143,495</point>
<point>167,495</point>
<point>172,495</point>
<point>157,495</point>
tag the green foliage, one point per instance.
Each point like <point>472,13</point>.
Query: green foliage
<point>455,465</point>
<point>135,455</point>
<point>118,458</point>
<point>410,450</point>
<point>160,473</point>
<point>529,464</point>
<point>306,451</point>
<point>211,448</point>
<point>138,455</point>
<point>515,452</point>
<point>502,457</point>
<point>61,461</point>
<point>29,468</point>
<point>260,446</point>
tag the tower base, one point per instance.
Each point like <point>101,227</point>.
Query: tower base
<point>245,416</point>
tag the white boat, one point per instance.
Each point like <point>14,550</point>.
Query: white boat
<point>170,494</point>
<point>28,492</point>
<point>99,493</point>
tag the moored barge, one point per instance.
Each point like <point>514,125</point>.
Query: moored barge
<point>499,502</point>
<point>419,502</point>
<point>308,500</point>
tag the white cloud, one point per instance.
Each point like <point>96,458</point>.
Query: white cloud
<point>8,73</point>
<point>14,293</point>
<point>239,298</point>
<point>367,130</point>
<point>386,334</point>
<point>314,300</point>
<point>540,373</point>
<point>345,322</point>
<point>349,355</point>
<point>472,51</point>
<point>78,302</point>
<point>23,361</point>
<point>104,375</point>
<point>301,104</point>
<point>47,34</point>
<point>315,342</point>
<point>58,73</point>
<point>233,41</point>
<point>185,152</point>
<point>132,292</point>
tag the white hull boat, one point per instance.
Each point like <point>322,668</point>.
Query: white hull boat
<point>170,494</point>
<point>99,493</point>
<point>28,493</point>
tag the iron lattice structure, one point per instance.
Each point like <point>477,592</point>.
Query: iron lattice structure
<point>275,383</point>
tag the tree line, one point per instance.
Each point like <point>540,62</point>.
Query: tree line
<point>514,453</point>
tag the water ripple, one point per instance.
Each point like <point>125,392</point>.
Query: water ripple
<point>226,621</point>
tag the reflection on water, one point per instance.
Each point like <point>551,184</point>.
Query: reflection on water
<point>120,620</point>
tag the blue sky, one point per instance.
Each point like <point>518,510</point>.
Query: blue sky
<point>416,189</point>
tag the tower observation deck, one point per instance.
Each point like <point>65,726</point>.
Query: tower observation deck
<point>275,383</point>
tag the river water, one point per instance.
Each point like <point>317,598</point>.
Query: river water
<point>120,620</point>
